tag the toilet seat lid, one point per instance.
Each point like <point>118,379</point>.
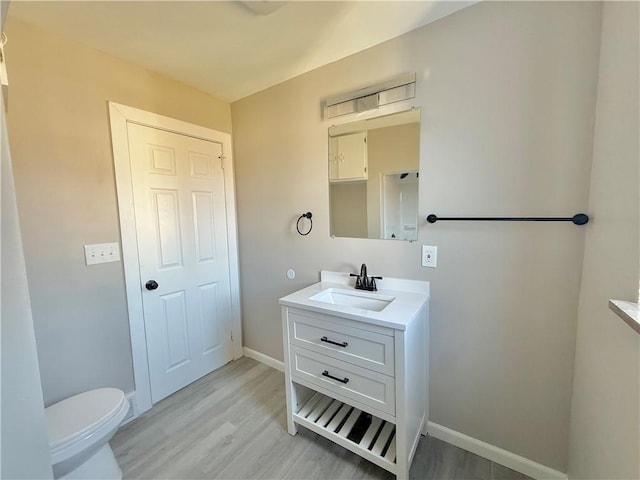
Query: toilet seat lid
<point>77,415</point>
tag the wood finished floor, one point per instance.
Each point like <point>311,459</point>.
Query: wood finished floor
<point>231,425</point>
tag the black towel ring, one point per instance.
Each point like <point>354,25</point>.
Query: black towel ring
<point>304,215</point>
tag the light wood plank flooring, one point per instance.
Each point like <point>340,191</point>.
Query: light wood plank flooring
<point>231,425</point>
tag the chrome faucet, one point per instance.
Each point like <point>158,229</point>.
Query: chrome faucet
<point>363,282</point>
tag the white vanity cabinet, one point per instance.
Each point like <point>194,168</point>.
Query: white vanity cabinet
<point>355,376</point>
<point>348,157</point>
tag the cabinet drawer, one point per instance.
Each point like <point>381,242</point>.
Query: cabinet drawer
<point>344,380</point>
<point>364,348</point>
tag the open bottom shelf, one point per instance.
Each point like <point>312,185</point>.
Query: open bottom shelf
<point>362,433</point>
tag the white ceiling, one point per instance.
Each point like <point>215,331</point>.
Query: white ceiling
<point>225,48</point>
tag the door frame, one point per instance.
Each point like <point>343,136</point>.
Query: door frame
<point>120,116</point>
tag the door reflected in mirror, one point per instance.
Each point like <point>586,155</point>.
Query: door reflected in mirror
<point>374,177</point>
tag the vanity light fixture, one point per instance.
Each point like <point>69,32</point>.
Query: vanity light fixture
<point>371,97</point>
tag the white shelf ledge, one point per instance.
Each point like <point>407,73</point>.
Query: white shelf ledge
<point>628,311</point>
<point>336,420</point>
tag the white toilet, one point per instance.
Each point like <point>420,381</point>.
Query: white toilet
<point>80,428</point>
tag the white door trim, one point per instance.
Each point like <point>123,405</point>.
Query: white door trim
<point>119,116</point>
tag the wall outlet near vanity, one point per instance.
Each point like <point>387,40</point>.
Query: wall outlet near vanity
<point>429,256</point>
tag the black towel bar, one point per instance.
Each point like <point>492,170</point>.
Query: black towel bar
<point>578,219</point>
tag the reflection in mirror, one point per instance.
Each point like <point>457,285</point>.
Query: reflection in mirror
<point>373,177</point>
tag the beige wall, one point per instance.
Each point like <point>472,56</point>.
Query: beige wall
<point>605,409</point>
<point>508,97</point>
<point>60,139</point>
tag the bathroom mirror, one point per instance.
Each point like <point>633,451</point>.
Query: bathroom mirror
<point>373,177</point>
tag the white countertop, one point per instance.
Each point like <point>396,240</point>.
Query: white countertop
<point>628,311</point>
<point>409,297</point>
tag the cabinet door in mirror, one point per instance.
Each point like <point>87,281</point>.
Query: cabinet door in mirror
<point>374,176</point>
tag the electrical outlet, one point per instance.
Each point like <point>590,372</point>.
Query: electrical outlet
<point>101,253</point>
<point>429,256</point>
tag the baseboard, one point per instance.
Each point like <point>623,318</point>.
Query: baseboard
<point>495,454</point>
<point>133,413</point>
<point>262,358</point>
<point>423,431</point>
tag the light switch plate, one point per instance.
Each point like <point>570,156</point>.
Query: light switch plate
<point>102,253</point>
<point>429,256</point>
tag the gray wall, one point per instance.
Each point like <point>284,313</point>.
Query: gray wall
<point>24,450</point>
<point>25,444</point>
<point>605,408</point>
<point>59,130</point>
<point>508,95</point>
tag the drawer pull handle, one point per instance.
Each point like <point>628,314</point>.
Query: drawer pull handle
<point>341,380</point>
<point>325,339</point>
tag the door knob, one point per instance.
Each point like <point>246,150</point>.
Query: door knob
<point>151,285</point>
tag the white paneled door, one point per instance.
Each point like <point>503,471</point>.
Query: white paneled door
<point>180,216</point>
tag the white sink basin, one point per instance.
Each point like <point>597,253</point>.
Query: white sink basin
<point>355,299</point>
